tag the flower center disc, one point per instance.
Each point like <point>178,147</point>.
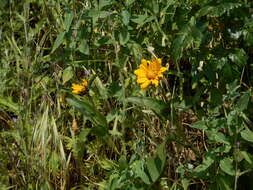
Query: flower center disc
<point>151,74</point>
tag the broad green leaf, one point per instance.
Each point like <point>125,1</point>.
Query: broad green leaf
<point>139,19</point>
<point>207,162</point>
<point>218,137</point>
<point>68,20</point>
<point>242,104</point>
<point>139,170</point>
<point>142,19</point>
<point>124,36</point>
<point>89,111</point>
<point>239,57</point>
<point>156,164</point>
<point>125,17</point>
<point>155,6</point>
<point>224,148</point>
<point>84,47</point>
<point>247,157</point>
<point>161,154</point>
<point>58,41</point>
<point>199,125</point>
<point>152,168</point>
<point>67,74</point>
<point>247,135</point>
<point>158,106</point>
<point>227,166</point>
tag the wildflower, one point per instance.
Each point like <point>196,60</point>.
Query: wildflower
<point>79,88</point>
<point>87,72</point>
<point>149,72</point>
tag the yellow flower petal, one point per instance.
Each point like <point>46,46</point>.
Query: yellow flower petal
<point>160,75</point>
<point>162,69</point>
<point>145,84</point>
<point>144,62</point>
<point>156,64</point>
<point>85,82</point>
<point>79,88</point>
<point>141,80</point>
<point>159,61</point>
<point>140,73</point>
<point>144,67</point>
<point>155,82</point>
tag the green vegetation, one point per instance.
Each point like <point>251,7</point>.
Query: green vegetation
<point>192,131</point>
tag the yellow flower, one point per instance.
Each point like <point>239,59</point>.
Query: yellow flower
<point>79,88</point>
<point>149,72</point>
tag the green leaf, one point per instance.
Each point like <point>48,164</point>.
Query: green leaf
<point>216,97</point>
<point>227,166</point>
<point>183,39</point>
<point>103,3</point>
<point>159,107</point>
<point>89,111</point>
<point>9,104</point>
<point>129,2</point>
<point>217,11</point>
<point>54,163</point>
<point>242,104</point>
<point>67,74</point>
<point>217,137</point>
<point>224,182</point>
<point>152,168</point>
<point>185,183</point>
<point>138,167</point>
<point>139,19</point>
<point>161,154</point>
<point>199,125</point>
<point>207,162</point>
<point>101,88</point>
<point>156,164</point>
<point>204,11</point>
<point>247,157</point>
<point>125,17</point>
<point>247,135</point>
<point>142,19</point>
<point>96,14</point>
<point>154,5</point>
<point>68,20</point>
<point>239,57</point>
<point>124,36</point>
<point>84,47</point>
<point>58,41</point>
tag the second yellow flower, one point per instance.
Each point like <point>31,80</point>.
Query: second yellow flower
<point>149,72</point>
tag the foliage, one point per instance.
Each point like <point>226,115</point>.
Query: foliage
<point>192,131</point>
